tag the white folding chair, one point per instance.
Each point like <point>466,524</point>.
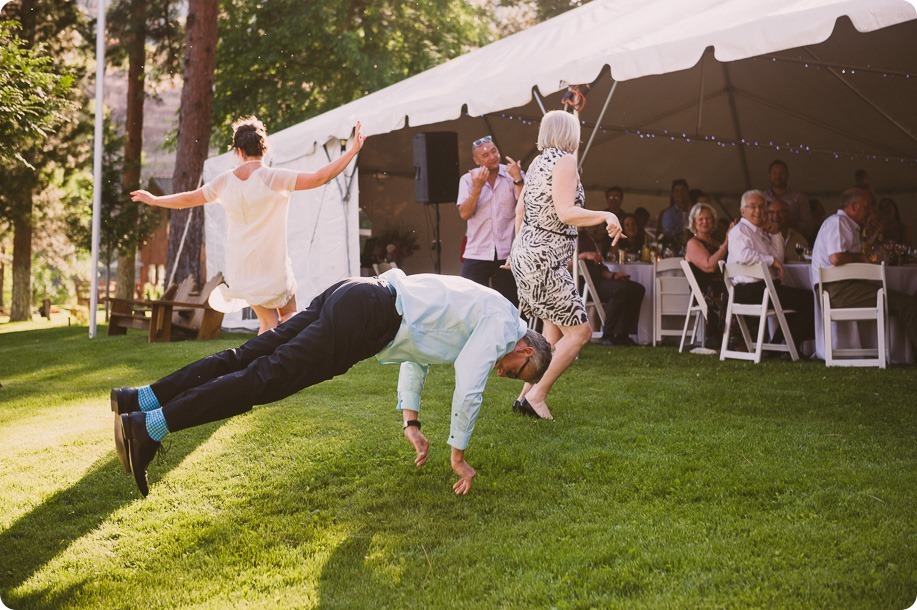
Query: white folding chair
<point>697,308</point>
<point>671,295</point>
<point>381,268</point>
<point>878,313</point>
<point>591,299</point>
<point>768,307</point>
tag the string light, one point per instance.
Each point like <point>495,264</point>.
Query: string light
<point>760,143</point>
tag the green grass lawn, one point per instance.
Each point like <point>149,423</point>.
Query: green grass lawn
<point>667,481</point>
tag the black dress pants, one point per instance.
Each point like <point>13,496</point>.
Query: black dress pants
<point>622,300</point>
<point>490,274</point>
<point>350,321</point>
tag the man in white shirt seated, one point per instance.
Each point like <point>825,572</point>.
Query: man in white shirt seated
<point>838,243</point>
<point>752,240</point>
<point>415,320</point>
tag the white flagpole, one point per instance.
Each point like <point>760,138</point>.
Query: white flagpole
<point>97,168</point>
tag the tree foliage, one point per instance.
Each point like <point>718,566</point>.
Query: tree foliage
<point>50,29</point>
<point>34,98</point>
<point>163,34</point>
<point>288,60</point>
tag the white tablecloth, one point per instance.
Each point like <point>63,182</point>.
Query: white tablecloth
<point>855,334</point>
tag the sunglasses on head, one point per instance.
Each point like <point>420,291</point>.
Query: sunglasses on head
<point>484,140</point>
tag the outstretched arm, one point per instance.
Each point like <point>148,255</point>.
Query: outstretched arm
<point>188,199</point>
<point>309,180</point>
<point>464,470</point>
<point>563,189</point>
<point>416,438</point>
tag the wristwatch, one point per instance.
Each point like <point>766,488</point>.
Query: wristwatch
<point>412,422</point>
<point>519,182</point>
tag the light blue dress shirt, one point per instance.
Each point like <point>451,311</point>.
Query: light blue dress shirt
<point>449,319</point>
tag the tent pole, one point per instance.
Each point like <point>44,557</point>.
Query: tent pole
<point>538,99</point>
<point>184,234</point>
<point>863,97</point>
<point>700,95</point>
<point>97,169</point>
<point>598,125</point>
<point>344,192</point>
<point>743,159</point>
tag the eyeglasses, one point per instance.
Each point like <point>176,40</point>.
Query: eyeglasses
<point>484,140</point>
<point>518,372</point>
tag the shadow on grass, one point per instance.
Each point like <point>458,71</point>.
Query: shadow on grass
<point>346,571</point>
<point>61,520</point>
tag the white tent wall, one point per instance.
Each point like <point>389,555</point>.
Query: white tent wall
<point>322,232</point>
<point>708,90</point>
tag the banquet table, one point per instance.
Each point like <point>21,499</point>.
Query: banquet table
<point>860,334</point>
<point>641,273</point>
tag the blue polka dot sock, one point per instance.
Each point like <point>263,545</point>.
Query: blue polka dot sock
<point>147,399</point>
<point>156,425</point>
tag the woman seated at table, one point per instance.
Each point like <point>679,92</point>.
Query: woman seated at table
<point>634,242</point>
<point>704,253</point>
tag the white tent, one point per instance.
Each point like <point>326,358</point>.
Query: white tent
<point>708,90</point>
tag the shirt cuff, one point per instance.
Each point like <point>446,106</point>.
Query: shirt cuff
<point>409,400</point>
<point>459,440</point>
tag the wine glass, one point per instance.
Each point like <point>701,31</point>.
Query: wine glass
<point>799,250</point>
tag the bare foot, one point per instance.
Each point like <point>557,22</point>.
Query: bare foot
<point>541,408</point>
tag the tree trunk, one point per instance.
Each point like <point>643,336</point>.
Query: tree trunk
<point>133,142</point>
<point>2,278</point>
<point>21,305</point>
<point>193,136</point>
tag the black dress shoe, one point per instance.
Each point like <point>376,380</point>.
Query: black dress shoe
<point>124,400</point>
<point>140,448</point>
<point>526,409</point>
<point>624,341</point>
<point>119,445</point>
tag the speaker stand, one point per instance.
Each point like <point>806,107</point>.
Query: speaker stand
<point>437,244</point>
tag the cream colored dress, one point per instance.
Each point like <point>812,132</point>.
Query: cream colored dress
<point>258,270</point>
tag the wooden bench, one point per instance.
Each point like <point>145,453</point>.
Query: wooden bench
<point>181,312</point>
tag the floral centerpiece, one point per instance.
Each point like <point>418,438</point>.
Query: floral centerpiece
<point>394,244</point>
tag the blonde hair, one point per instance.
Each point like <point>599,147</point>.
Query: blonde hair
<point>559,129</point>
<point>695,212</point>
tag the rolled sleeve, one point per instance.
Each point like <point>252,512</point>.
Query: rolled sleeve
<point>464,189</point>
<point>472,368</point>
<point>411,378</point>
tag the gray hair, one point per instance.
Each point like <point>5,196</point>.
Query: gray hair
<point>559,129</point>
<point>748,194</point>
<point>852,194</point>
<point>695,212</point>
<point>541,358</point>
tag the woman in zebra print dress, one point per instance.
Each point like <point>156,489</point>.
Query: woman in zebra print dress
<point>549,209</point>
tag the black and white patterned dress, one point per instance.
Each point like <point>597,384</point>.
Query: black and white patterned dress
<point>544,248</point>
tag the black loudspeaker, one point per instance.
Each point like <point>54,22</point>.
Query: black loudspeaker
<point>436,167</point>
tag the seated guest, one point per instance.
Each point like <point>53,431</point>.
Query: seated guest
<point>751,242</point>
<point>793,241</point>
<point>673,221</point>
<point>621,296</point>
<point>614,197</point>
<point>635,238</point>
<point>838,243</point>
<point>704,253</point>
<point>800,216</point>
<point>818,213</point>
<point>642,215</point>
<point>885,226</point>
